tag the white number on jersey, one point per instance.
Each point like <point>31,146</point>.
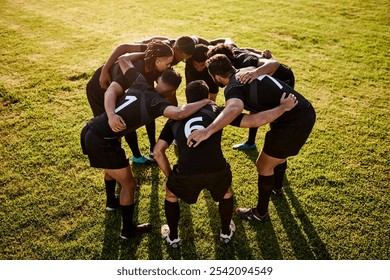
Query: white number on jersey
<point>188,128</point>
<point>272,79</point>
<point>130,99</point>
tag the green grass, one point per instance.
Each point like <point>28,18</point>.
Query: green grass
<point>336,204</point>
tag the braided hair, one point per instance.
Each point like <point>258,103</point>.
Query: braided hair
<point>155,49</point>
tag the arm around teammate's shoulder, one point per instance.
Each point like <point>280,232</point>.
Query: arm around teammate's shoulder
<point>234,107</point>
<point>264,117</point>
<point>104,78</point>
<point>186,110</point>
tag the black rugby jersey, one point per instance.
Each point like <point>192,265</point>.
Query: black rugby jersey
<point>245,58</point>
<point>139,65</point>
<point>192,74</point>
<point>207,157</point>
<point>262,94</point>
<point>140,105</point>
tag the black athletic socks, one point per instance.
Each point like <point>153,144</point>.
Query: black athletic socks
<point>129,229</point>
<point>151,131</point>
<point>110,190</point>
<point>264,185</point>
<point>225,208</point>
<point>279,172</point>
<point>127,218</point>
<point>132,141</point>
<point>172,213</point>
<point>252,136</point>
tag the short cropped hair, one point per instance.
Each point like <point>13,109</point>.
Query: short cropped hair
<point>222,49</point>
<point>200,53</point>
<point>197,90</point>
<point>186,44</point>
<point>220,65</point>
<point>172,78</point>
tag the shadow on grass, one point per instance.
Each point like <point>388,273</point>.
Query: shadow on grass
<point>113,246</point>
<point>111,243</point>
<point>307,245</point>
<point>251,154</point>
<point>186,229</point>
<point>239,247</point>
<point>154,238</point>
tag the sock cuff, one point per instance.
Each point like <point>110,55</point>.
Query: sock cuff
<point>282,166</point>
<point>227,199</point>
<point>266,180</point>
<point>110,183</point>
<point>127,207</point>
<point>167,202</point>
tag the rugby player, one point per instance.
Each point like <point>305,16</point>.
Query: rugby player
<point>286,136</point>
<point>141,104</point>
<point>265,64</point>
<point>157,58</point>
<point>203,167</point>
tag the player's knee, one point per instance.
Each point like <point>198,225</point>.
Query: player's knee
<point>170,196</point>
<point>265,168</point>
<point>228,194</point>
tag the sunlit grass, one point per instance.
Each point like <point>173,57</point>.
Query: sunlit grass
<point>336,204</point>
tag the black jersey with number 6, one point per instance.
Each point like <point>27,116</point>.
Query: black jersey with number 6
<point>207,156</point>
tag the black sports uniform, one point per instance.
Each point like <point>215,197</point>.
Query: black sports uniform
<point>200,167</point>
<point>245,58</point>
<point>139,106</point>
<point>289,132</point>
<point>192,75</point>
<point>95,93</point>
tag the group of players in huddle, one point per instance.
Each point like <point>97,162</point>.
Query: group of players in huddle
<point>137,84</point>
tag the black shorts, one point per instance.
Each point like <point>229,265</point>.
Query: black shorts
<point>95,94</point>
<point>287,138</point>
<point>188,187</point>
<point>107,154</point>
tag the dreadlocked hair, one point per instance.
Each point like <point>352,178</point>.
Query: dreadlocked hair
<point>222,49</point>
<point>154,50</point>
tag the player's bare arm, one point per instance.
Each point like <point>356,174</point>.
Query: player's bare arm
<point>126,61</point>
<point>265,67</point>
<point>115,121</point>
<point>186,110</point>
<point>161,157</point>
<point>234,107</point>
<point>122,49</point>
<point>148,40</point>
<point>264,117</point>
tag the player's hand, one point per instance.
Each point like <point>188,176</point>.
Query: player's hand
<point>196,137</point>
<point>288,102</point>
<point>246,77</point>
<point>211,102</point>
<point>266,54</point>
<point>104,79</point>
<point>116,123</point>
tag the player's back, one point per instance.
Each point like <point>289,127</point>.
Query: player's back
<point>207,156</point>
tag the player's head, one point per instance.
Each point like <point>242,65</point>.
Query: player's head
<point>184,48</point>
<point>222,49</point>
<point>199,57</point>
<point>168,83</point>
<point>197,90</point>
<point>158,56</point>
<point>219,66</point>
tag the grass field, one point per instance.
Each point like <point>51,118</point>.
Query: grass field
<point>336,203</point>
